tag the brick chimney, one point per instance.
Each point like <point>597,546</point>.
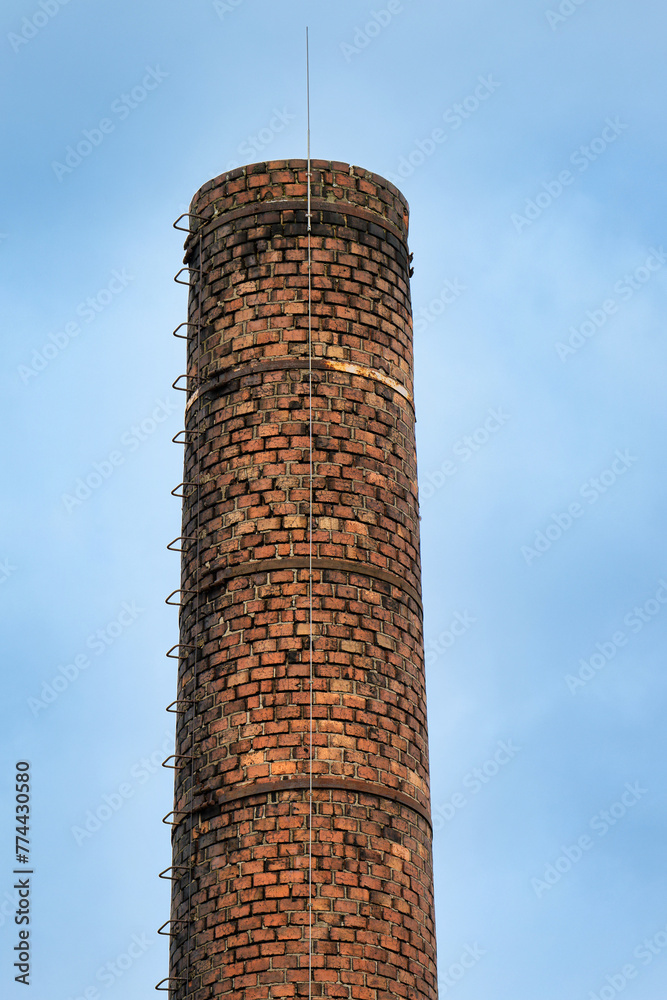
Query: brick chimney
<point>264,904</point>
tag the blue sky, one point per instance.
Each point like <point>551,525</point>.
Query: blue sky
<point>530,143</point>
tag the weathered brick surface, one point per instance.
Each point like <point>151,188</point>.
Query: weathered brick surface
<point>242,906</point>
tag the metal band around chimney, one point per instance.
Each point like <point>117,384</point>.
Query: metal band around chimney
<point>302,562</point>
<point>293,205</point>
<point>323,784</point>
<point>221,381</point>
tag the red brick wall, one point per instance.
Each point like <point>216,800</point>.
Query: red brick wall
<point>242,803</point>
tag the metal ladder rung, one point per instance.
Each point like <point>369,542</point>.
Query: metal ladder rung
<point>173,822</point>
<point>169,980</point>
<point>178,604</point>
<point>170,652</point>
<point>174,868</point>
<point>183,496</point>
<point>188,215</point>
<point>181,538</point>
<point>177,756</point>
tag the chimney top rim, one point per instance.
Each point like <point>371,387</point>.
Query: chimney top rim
<point>300,163</point>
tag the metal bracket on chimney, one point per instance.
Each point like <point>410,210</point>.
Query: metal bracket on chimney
<point>161,930</point>
<point>173,822</point>
<point>188,215</point>
<point>178,756</point>
<point>190,270</point>
<point>181,538</point>
<point>183,336</point>
<point>179,703</point>
<point>178,604</point>
<point>174,868</point>
<point>169,980</point>
<point>185,440</point>
<point>186,388</point>
<point>183,496</point>
<point>178,645</point>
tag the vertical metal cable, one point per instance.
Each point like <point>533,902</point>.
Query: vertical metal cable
<point>193,762</point>
<point>310,554</point>
<point>195,633</point>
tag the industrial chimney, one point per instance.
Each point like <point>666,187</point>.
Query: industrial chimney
<point>301,827</point>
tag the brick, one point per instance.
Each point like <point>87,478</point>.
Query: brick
<point>373,922</point>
